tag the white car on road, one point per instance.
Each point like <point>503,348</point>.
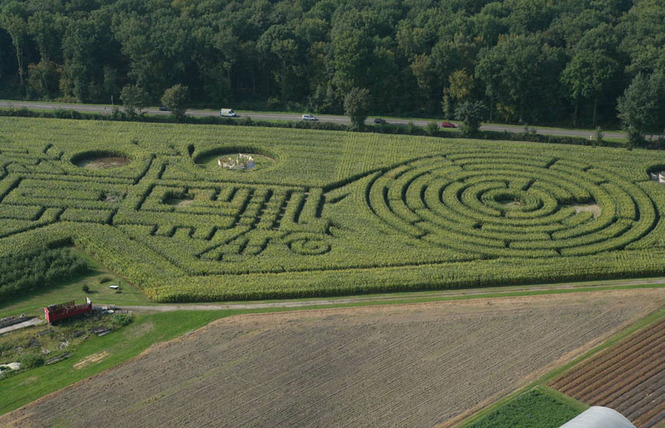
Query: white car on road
<point>308,117</point>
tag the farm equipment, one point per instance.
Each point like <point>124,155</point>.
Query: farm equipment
<point>61,311</point>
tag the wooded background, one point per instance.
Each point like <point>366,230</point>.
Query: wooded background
<point>528,61</point>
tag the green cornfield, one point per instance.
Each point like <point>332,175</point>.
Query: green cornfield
<point>325,213</point>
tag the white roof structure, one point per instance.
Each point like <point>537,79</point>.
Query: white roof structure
<point>598,417</point>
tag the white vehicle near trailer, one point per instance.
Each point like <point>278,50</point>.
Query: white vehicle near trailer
<point>227,112</point>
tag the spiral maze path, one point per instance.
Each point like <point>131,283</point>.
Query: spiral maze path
<point>498,204</point>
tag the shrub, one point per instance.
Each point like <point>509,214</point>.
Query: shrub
<point>134,98</point>
<point>30,361</point>
<point>175,99</point>
<point>471,113</point>
<point>432,129</point>
<point>121,320</point>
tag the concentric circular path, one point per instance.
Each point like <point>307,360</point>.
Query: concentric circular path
<point>499,204</point>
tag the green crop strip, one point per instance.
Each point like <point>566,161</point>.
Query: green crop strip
<point>540,407</point>
<point>331,214</point>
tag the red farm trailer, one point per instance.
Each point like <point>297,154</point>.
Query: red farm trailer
<point>61,311</point>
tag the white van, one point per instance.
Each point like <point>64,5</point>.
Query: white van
<point>227,112</point>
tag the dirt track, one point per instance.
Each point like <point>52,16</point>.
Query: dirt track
<point>407,365</point>
<point>400,297</point>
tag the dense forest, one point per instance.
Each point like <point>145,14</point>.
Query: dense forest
<point>528,61</point>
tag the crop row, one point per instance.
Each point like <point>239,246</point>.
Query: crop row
<point>328,280</point>
<point>472,211</point>
<point>207,209</point>
<point>334,212</point>
<point>227,248</point>
<point>11,227</point>
<point>627,377</point>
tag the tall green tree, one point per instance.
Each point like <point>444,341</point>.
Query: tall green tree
<point>356,105</point>
<point>219,65</point>
<point>13,20</point>
<point>471,113</point>
<point>642,107</point>
<point>159,45</point>
<point>587,76</point>
<point>134,98</point>
<point>43,80</point>
<point>518,73</point>
<point>642,36</point>
<point>175,99</point>
<point>459,89</point>
<point>280,52</point>
<point>87,46</point>
<point>352,55</point>
<point>352,48</point>
<point>47,30</point>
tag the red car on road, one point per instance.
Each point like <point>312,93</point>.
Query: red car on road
<point>448,125</point>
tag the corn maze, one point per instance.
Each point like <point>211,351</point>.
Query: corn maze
<point>331,213</point>
<point>499,205</point>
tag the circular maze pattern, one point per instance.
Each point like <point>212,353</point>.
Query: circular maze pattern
<point>307,244</point>
<point>498,204</point>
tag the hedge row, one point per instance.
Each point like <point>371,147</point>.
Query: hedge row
<point>409,129</point>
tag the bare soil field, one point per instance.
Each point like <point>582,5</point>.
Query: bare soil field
<point>629,377</point>
<point>416,365</point>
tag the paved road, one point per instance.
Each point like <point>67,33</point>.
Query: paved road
<point>400,297</point>
<point>293,116</point>
<point>31,322</point>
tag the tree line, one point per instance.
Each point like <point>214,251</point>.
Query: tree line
<point>582,62</point>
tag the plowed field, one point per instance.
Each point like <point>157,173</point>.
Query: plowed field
<point>629,377</point>
<point>404,365</point>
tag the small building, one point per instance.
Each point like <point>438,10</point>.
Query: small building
<point>66,310</point>
<point>658,176</point>
<point>241,161</point>
<point>598,417</point>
